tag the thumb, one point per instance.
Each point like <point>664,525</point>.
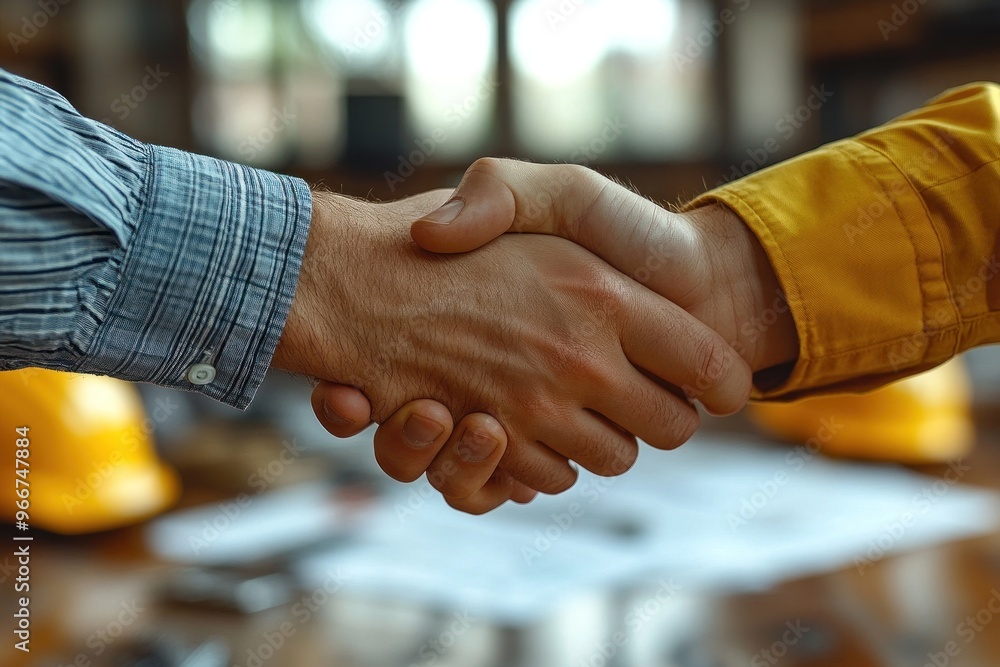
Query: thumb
<point>482,208</point>
<point>498,196</point>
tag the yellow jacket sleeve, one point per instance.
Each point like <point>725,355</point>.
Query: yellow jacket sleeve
<point>885,244</point>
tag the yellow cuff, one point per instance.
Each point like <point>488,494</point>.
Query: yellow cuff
<point>860,264</point>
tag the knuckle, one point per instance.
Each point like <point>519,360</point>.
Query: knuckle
<point>583,172</point>
<point>582,363</point>
<point>601,377</point>
<point>613,295</point>
<point>540,475</point>
<point>554,481</point>
<point>605,283</point>
<point>613,460</point>
<point>581,175</point>
<point>553,486</point>
<point>571,357</point>
<point>713,361</point>
<point>485,424</point>
<point>490,166</point>
<point>678,424</point>
<point>625,458</point>
<point>541,409</point>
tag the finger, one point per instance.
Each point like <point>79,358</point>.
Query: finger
<point>469,458</point>
<point>497,490</point>
<point>662,338</point>
<point>522,494</point>
<point>406,444</point>
<point>496,196</point>
<point>652,413</point>
<point>596,444</point>
<point>539,467</point>
<point>343,411</point>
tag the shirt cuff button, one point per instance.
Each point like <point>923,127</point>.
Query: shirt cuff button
<point>201,374</point>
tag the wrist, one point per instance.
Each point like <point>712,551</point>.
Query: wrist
<point>312,323</point>
<point>761,326</point>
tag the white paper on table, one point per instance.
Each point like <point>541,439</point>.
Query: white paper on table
<point>669,518</point>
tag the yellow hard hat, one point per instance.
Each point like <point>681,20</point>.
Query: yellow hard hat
<point>91,464</point>
<point>924,419</point>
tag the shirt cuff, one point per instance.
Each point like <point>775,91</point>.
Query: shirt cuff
<point>856,254</point>
<point>208,279</point>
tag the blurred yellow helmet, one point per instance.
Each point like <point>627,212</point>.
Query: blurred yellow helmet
<point>924,419</point>
<point>92,463</point>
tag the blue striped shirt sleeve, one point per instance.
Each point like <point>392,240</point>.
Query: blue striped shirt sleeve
<point>136,261</point>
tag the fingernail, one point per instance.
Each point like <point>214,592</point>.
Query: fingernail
<point>335,417</point>
<point>420,431</point>
<point>446,213</point>
<point>475,447</point>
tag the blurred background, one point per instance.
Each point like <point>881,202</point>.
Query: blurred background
<point>170,530</point>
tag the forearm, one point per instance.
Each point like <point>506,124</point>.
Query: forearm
<point>885,244</point>
<point>140,262</point>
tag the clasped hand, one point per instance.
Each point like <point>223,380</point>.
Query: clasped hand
<point>549,350</point>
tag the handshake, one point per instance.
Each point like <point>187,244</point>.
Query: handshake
<point>507,356</point>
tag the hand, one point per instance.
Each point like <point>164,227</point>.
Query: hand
<point>539,332</point>
<point>707,260</point>
<point>405,451</point>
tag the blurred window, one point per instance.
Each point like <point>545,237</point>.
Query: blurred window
<point>451,74</point>
<point>590,70</point>
<point>285,81</point>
